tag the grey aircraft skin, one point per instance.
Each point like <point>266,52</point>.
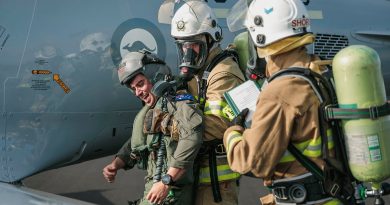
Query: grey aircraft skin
<point>61,102</point>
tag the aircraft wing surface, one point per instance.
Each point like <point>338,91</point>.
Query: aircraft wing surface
<point>18,195</point>
<point>374,33</point>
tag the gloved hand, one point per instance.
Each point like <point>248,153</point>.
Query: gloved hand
<point>240,118</point>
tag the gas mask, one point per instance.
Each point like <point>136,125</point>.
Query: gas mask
<point>192,57</point>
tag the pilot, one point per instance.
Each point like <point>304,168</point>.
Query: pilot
<point>210,72</point>
<point>164,142</point>
<point>287,109</point>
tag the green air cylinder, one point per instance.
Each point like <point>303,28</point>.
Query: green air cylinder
<point>241,44</point>
<point>359,84</point>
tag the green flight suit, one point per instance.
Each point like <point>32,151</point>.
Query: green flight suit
<point>180,153</point>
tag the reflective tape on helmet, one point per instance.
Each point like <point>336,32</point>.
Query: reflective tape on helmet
<point>310,148</point>
<point>218,108</point>
<point>224,174</point>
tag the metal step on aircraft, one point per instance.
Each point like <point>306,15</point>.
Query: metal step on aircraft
<point>60,100</point>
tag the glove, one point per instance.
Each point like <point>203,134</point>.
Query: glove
<point>240,118</point>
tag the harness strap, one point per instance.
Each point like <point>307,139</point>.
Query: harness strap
<point>220,57</point>
<point>214,176</point>
<point>307,163</point>
<point>303,189</point>
<point>334,112</point>
<point>313,79</point>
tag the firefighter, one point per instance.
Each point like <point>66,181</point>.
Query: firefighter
<point>210,71</point>
<point>287,109</point>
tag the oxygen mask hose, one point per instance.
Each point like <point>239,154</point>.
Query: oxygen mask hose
<point>160,160</point>
<point>161,150</point>
<point>161,88</point>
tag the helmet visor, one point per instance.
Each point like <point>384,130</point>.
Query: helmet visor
<point>252,53</point>
<point>237,14</point>
<point>256,66</point>
<point>127,70</point>
<point>192,53</point>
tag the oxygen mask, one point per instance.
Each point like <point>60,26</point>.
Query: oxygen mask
<point>192,57</point>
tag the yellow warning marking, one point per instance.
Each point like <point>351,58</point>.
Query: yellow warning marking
<point>41,72</point>
<point>56,77</point>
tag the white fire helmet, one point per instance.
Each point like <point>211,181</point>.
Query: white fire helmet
<point>193,23</point>
<point>271,20</point>
<point>194,18</point>
<point>142,62</point>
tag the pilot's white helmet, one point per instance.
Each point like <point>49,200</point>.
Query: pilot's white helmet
<point>194,18</point>
<point>142,62</point>
<point>271,20</point>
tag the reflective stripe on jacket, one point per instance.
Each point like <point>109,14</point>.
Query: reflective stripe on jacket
<point>309,148</point>
<point>219,108</point>
<point>224,174</point>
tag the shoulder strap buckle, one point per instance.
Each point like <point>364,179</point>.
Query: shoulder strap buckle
<point>374,112</point>
<point>334,190</point>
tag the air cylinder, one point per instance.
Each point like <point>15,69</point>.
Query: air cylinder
<point>242,47</point>
<point>359,84</point>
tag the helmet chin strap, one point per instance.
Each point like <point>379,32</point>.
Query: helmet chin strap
<point>215,44</point>
<point>210,43</point>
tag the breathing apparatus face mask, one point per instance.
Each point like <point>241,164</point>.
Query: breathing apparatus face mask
<point>255,66</point>
<point>192,57</point>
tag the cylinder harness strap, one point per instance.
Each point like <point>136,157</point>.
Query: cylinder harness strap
<point>217,59</point>
<point>334,112</point>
